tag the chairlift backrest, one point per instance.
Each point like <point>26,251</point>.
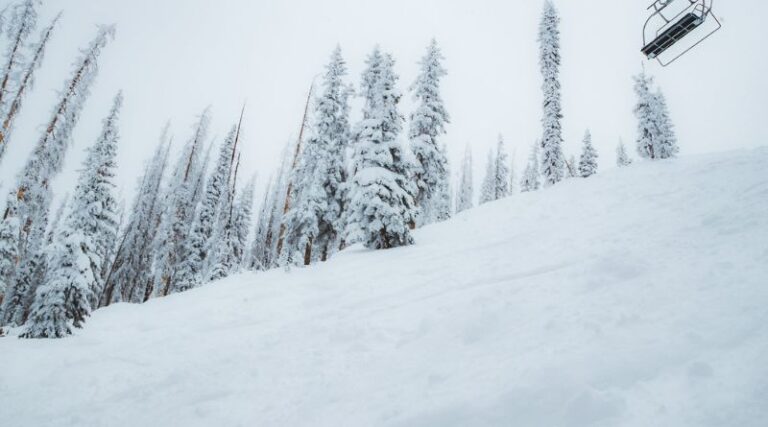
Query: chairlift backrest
<point>670,24</point>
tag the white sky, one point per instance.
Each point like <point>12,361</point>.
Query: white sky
<point>174,57</point>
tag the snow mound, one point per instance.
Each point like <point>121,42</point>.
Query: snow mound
<point>637,297</point>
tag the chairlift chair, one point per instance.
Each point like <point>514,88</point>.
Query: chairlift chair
<point>673,24</point>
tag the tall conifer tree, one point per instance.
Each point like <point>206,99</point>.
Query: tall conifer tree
<point>29,203</point>
<point>73,281</point>
<point>382,206</point>
<point>588,160</point>
<point>552,158</point>
<point>465,195</point>
<point>426,125</point>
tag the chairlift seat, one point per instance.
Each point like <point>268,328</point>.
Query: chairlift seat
<point>672,35</point>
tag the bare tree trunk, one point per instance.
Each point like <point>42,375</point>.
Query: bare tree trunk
<point>287,205</point>
<point>308,253</point>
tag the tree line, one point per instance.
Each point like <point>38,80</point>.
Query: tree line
<point>192,220</point>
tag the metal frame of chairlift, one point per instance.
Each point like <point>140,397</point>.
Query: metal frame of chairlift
<point>676,28</point>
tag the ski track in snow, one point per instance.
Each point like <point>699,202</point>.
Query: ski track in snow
<point>638,297</point>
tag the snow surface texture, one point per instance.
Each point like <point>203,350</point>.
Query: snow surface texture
<point>636,298</point>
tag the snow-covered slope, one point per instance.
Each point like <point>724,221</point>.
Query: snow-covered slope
<point>638,297</point>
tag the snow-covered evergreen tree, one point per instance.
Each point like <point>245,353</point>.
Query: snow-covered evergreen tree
<point>512,174</point>
<point>488,187</point>
<point>655,134</point>
<point>666,146</point>
<point>242,221</point>
<point>10,108</point>
<point>9,251</point>
<point>622,157</point>
<point>501,171</point>
<point>427,123</point>
<point>315,218</point>
<point>647,129</point>
<point>65,296</point>
<point>588,159</point>
<point>180,209</point>
<point>131,277</point>
<point>442,202</point>
<point>382,206</point>
<point>264,250</point>
<point>332,130</point>
<point>202,242</point>
<point>345,188</point>
<point>233,233</point>
<point>17,80</point>
<point>97,216</point>
<point>552,158</point>
<point>302,221</point>
<point>259,252</point>
<point>31,197</point>
<point>531,180</point>
<point>22,23</point>
<point>73,280</point>
<point>465,195</point>
<point>496,182</point>
<point>223,245</point>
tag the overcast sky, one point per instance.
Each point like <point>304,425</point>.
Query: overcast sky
<point>172,58</point>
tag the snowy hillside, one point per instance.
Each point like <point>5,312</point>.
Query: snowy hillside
<point>637,297</point>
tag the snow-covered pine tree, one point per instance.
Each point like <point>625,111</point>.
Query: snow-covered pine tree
<point>488,187</point>
<point>73,280</point>
<point>242,220</point>
<point>97,217</point>
<point>232,250</point>
<point>588,159</point>
<point>655,134</point>
<point>179,212</point>
<point>65,297</point>
<point>512,174</point>
<point>501,171</point>
<point>222,251</point>
<point>466,190</point>
<point>531,180</point>
<point>10,108</point>
<point>308,205</point>
<point>202,242</point>
<point>427,123</point>
<point>332,129</point>
<point>291,175</point>
<point>199,183</point>
<point>22,24</point>
<point>257,258</point>
<point>31,196</point>
<point>647,128</point>
<point>382,206</point>
<point>552,158</point>
<point>666,145</point>
<point>9,251</point>
<point>265,246</point>
<point>315,217</point>
<point>344,189</point>
<point>442,201</point>
<point>622,157</point>
<point>222,245</point>
<point>131,274</point>
<point>112,252</point>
